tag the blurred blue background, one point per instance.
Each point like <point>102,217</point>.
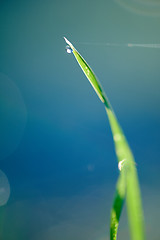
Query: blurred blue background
<point>56,149</point>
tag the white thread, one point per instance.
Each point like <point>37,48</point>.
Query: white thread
<point>142,45</point>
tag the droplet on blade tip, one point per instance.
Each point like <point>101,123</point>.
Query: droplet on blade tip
<point>69,49</point>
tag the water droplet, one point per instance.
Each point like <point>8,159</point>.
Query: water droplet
<point>121,164</point>
<point>69,49</point>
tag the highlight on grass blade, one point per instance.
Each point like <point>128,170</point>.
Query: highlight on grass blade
<point>127,185</point>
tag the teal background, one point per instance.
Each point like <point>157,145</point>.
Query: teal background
<point>56,145</point>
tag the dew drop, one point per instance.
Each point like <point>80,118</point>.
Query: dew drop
<point>69,49</point>
<point>121,164</point>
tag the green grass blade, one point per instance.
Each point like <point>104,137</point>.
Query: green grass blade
<point>128,179</point>
<point>89,74</point>
<point>127,167</point>
<point>117,206</point>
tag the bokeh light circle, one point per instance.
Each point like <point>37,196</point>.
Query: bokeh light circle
<point>13,115</point>
<point>141,7</point>
<point>4,188</point>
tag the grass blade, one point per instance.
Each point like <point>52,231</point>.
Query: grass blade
<point>117,206</point>
<point>128,179</point>
<point>89,74</point>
